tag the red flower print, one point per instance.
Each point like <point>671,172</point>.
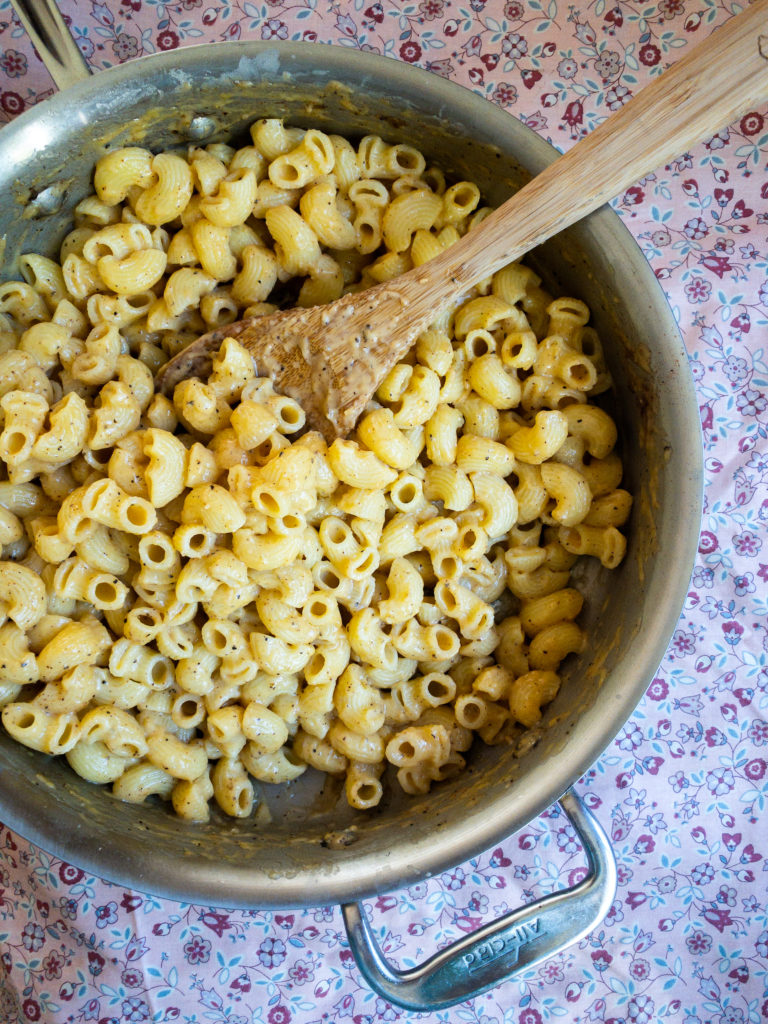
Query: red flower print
<point>410,51</point>
<point>514,45</point>
<point>530,1016</point>
<point>167,40</point>
<point>125,46</point>
<point>473,48</point>
<point>636,899</point>
<point>732,632</point>
<point>431,9</point>
<point>241,984</point>
<point>649,55</point>
<point>13,63</point>
<point>279,1015</point>
<point>719,265</point>
<point>95,962</point>
<point>12,104</point>
<point>615,17</point>
<point>658,689</point>
<point>639,969</point>
<point>274,29</point>
<point>272,952</point>
<point>752,123</point>
<point>536,121</point>
<point>53,964</point>
<point>576,875</point>
<point>695,228</point>
<point>698,942</point>
<point>714,737</point>
<point>69,874</point>
<point>617,97</point>
<point>530,77</point>
<point>740,973</point>
<point>721,919</point>
<point>749,856</point>
<point>585,33</point>
<point>601,958</point>
<point>444,68</point>
<point>707,542</point>
<point>375,13</point>
<point>719,140</point>
<point>608,64</point>
<point>197,950</point>
<point>644,844</point>
<point>552,971</point>
<point>218,923</point>
<point>302,971</point>
<point>67,991</point>
<point>32,936</point>
<point>742,323</point>
<point>505,94</point>
<point>574,113</point>
<point>31,1009</point>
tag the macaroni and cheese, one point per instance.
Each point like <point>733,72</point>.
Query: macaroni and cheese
<point>201,593</point>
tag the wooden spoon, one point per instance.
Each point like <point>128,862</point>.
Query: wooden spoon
<point>332,358</point>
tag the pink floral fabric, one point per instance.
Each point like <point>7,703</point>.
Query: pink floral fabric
<point>682,790</point>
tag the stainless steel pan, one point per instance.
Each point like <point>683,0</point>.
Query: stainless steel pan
<point>314,850</point>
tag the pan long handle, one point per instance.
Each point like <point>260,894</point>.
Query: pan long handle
<point>502,949</point>
<point>45,26</point>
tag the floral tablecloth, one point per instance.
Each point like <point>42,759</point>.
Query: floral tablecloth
<point>682,790</point>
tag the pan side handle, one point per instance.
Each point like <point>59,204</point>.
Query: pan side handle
<point>47,29</point>
<point>502,949</point>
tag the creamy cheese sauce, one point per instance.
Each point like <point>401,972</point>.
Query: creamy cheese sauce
<point>330,359</point>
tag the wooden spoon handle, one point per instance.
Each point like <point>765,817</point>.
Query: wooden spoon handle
<point>723,77</point>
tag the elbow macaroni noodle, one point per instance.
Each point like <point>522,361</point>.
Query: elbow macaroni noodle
<point>198,595</point>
